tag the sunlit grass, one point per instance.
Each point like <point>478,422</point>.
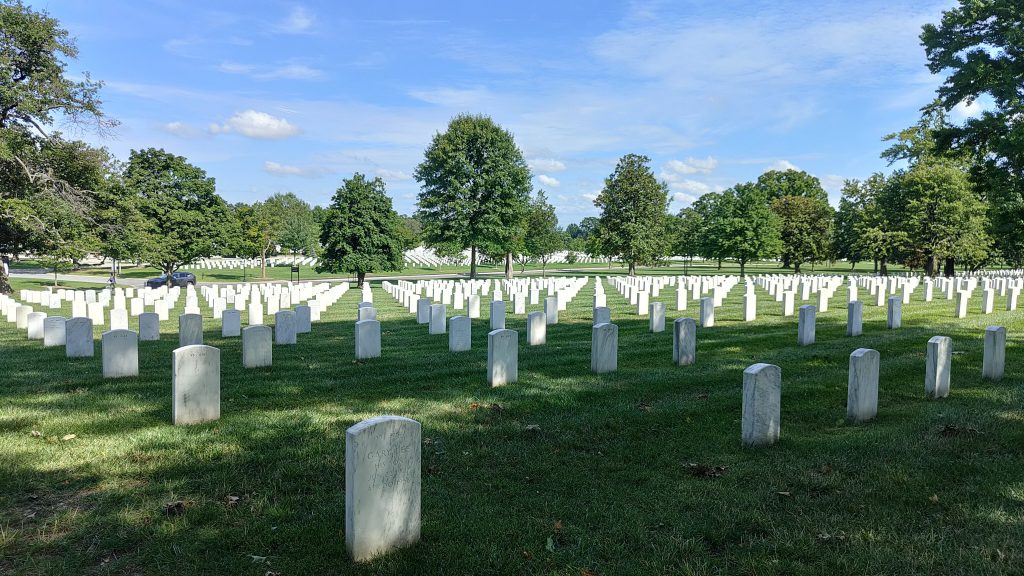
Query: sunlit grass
<point>603,483</point>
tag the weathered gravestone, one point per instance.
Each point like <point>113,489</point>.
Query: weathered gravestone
<point>805,332</point>
<point>304,319</point>
<point>366,313</point>
<point>497,315</point>
<point>190,330</point>
<point>284,328</point>
<point>536,328</point>
<point>34,325</point>
<point>994,360</point>
<point>149,326</point>
<point>382,485</point>
<point>195,384</point>
<point>423,311</point>
<point>53,331</point>
<point>602,315</point>
<point>762,404</point>
<point>257,346</point>
<point>656,322</point>
<point>502,357</point>
<point>707,312</point>
<point>437,319</point>
<point>854,318</point>
<point>551,309</point>
<point>120,350</point>
<point>684,341</point>
<point>862,385</point>
<point>894,314</point>
<point>604,348</point>
<point>118,319</point>
<point>78,340</point>
<point>938,362</point>
<point>367,339</point>
<point>460,334</point>
<point>21,317</point>
<point>230,323</point>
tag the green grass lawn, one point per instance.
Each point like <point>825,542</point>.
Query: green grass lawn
<point>636,472</point>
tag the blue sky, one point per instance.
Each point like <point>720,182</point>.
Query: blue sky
<point>281,96</point>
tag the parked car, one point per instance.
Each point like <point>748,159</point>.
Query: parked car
<point>181,279</point>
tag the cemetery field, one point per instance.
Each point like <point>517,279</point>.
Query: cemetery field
<point>307,273</point>
<point>565,472</point>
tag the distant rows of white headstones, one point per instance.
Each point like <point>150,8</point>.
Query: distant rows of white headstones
<point>383,454</point>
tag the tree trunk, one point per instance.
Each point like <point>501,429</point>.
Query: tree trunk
<point>883,268</point>
<point>472,262</point>
<point>360,277</point>
<point>796,267</point>
<point>263,264</point>
<point>876,266</point>
<point>632,268</point>
<point>949,270</point>
<point>5,285</point>
<point>929,265</point>
<point>719,263</point>
<point>743,265</point>
<point>508,266</point>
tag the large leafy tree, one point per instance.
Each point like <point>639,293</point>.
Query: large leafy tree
<point>979,47</point>
<point>299,230</point>
<point>34,90</point>
<point>633,221</point>
<point>543,237</point>
<point>360,234</point>
<point>806,229</point>
<point>778,183</point>
<point>687,234</point>
<point>748,227</point>
<point>475,187</point>
<point>846,229</point>
<point>186,218</point>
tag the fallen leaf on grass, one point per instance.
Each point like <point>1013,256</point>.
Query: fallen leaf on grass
<point>706,470</point>
<point>558,525</point>
<point>532,428</point>
<point>837,536</point>
<point>231,500</point>
<point>702,396</point>
<point>645,406</point>
<point>550,544</point>
<point>934,498</point>
<point>495,407</point>
<point>177,507</point>
<point>587,572</point>
<point>36,433</point>
<point>474,405</point>
<point>255,559</point>
<point>68,437</point>
<point>527,555</point>
<point>785,494</point>
<point>955,430</point>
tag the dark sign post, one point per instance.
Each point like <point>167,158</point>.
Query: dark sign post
<point>295,271</point>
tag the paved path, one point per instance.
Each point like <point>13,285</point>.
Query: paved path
<point>46,275</point>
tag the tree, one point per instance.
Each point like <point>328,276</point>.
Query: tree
<point>298,230</point>
<point>34,90</point>
<point>806,229</point>
<point>943,218</point>
<point>475,187</point>
<point>845,241</point>
<point>979,49</point>
<point>186,218</point>
<point>543,237</point>
<point>778,183</point>
<point>633,213</point>
<point>688,234</point>
<point>749,229</point>
<point>410,232</point>
<point>876,234</point>
<point>360,234</point>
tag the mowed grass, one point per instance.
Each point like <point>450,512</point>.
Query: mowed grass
<point>636,472</point>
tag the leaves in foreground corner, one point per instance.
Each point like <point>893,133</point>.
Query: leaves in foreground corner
<point>178,507</point>
<point>706,470</point>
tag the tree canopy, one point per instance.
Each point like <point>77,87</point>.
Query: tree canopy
<point>361,231</point>
<point>633,221</point>
<point>475,187</point>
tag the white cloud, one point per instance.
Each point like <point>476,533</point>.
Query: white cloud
<point>298,21</point>
<point>291,71</point>
<point>259,125</point>
<point>392,175</point>
<point>288,170</point>
<point>180,129</point>
<point>692,165</point>
<point>461,98</point>
<point>545,165</point>
<point>684,198</point>
<point>548,181</point>
<point>963,110</point>
<point>782,166</point>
